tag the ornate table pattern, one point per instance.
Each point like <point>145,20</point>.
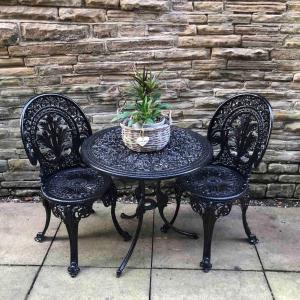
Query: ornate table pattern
<point>186,152</point>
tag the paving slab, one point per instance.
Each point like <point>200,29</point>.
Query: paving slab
<point>230,250</point>
<point>216,285</point>
<point>100,245</point>
<point>19,224</point>
<point>15,281</point>
<point>285,286</point>
<point>278,230</point>
<point>91,283</point>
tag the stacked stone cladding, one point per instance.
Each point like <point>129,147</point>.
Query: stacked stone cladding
<point>208,51</point>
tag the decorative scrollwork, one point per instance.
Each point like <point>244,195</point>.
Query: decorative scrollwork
<point>54,137</point>
<point>76,212</point>
<point>53,128</point>
<point>75,184</point>
<point>240,131</point>
<point>215,181</point>
<point>222,209</point>
<point>185,151</point>
<point>217,209</point>
<point>82,211</point>
<point>58,211</point>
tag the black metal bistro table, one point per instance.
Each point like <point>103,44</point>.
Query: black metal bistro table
<point>186,152</point>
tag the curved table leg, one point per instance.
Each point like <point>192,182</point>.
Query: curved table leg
<point>127,217</point>
<point>139,214</point>
<point>110,198</point>
<point>178,194</point>
<point>162,202</point>
<point>137,194</point>
<point>126,236</point>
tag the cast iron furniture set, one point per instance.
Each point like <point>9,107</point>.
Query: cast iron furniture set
<point>76,166</point>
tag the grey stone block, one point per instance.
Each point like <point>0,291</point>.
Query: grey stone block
<point>280,190</point>
<point>265,178</point>
<point>27,219</point>
<point>15,281</point>
<point>221,285</point>
<point>91,283</point>
<point>278,234</point>
<point>262,168</point>
<point>284,285</point>
<point>297,192</point>
<point>258,190</point>
<point>3,166</point>
<point>283,168</point>
<point>289,178</point>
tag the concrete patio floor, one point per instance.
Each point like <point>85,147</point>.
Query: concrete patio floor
<point>163,266</point>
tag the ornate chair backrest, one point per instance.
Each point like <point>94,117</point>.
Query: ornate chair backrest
<point>53,128</point>
<point>240,131</point>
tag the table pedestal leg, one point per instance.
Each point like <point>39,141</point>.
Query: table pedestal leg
<point>162,202</point>
<point>139,214</point>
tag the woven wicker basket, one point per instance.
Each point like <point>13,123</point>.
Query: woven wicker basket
<point>158,137</point>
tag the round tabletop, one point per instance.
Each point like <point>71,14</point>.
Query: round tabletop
<point>186,152</point>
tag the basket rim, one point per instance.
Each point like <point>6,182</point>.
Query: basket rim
<point>146,128</point>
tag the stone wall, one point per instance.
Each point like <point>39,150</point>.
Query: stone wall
<point>209,50</point>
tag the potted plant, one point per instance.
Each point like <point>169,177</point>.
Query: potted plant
<point>144,127</point>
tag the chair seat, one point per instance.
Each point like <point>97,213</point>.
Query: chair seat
<point>215,182</point>
<point>75,185</point>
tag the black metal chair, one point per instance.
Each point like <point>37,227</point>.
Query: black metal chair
<point>53,128</point>
<point>239,132</point>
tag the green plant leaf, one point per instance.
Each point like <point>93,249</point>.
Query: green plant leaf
<point>121,116</point>
<point>130,123</point>
<point>165,106</point>
<point>149,121</point>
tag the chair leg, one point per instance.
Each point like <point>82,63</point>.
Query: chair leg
<point>209,220</point>
<point>40,237</point>
<point>71,215</point>
<point>210,212</point>
<point>252,239</point>
<point>71,223</point>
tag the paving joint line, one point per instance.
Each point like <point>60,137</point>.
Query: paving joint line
<point>265,275</point>
<point>199,269</point>
<point>41,265</point>
<point>154,268</point>
<point>281,271</point>
<point>98,267</point>
<point>19,265</point>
